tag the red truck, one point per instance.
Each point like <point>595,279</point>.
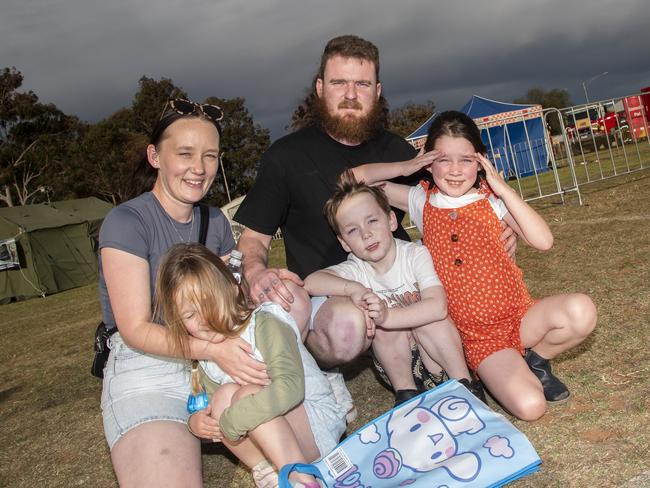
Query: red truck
<point>627,118</point>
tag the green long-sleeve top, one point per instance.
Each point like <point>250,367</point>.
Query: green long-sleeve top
<point>277,342</point>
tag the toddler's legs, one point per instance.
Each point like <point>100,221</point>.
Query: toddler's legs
<point>245,450</point>
<point>277,439</point>
<point>508,378</point>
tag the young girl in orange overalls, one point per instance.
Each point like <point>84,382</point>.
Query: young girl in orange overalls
<point>507,336</point>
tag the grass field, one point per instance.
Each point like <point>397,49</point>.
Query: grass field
<point>50,422</point>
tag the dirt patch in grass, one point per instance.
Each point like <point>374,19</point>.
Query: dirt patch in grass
<point>51,427</point>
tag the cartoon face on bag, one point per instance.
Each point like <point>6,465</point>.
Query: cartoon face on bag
<point>423,439</point>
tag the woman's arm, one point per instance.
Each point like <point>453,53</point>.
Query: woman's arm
<point>127,282</point>
<point>525,221</point>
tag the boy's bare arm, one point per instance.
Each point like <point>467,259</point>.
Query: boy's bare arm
<point>431,308</point>
<point>325,282</point>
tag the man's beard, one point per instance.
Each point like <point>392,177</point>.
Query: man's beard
<point>351,129</point>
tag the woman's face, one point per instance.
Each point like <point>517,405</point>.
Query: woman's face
<point>187,159</point>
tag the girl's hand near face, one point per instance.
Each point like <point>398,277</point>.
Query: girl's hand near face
<point>422,160</point>
<point>494,178</point>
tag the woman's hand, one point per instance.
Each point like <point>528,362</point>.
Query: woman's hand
<point>202,425</point>
<point>234,356</point>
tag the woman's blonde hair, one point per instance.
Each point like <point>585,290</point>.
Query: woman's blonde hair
<point>192,272</point>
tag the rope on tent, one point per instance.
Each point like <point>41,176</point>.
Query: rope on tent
<point>40,291</point>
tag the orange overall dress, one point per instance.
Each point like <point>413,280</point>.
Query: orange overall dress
<point>486,293</point>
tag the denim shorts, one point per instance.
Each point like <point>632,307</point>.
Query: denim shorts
<point>139,388</point>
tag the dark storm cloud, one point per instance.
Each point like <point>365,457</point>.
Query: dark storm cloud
<point>87,56</point>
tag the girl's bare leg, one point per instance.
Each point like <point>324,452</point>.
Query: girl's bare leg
<point>557,323</point>
<point>508,378</point>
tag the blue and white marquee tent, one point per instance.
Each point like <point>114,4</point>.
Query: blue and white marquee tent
<point>514,134</point>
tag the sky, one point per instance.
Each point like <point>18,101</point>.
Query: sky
<point>86,56</point>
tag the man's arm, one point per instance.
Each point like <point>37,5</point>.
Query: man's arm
<point>265,284</point>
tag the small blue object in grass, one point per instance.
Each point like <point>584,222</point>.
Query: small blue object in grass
<point>197,402</point>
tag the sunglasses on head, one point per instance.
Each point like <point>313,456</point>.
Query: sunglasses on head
<point>187,107</point>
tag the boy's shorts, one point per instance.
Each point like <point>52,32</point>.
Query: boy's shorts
<point>424,379</point>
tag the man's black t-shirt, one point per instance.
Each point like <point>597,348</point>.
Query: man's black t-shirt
<point>297,175</point>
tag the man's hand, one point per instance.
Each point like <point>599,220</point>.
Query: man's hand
<point>266,285</point>
<point>202,425</point>
<point>509,240</point>
<point>234,356</point>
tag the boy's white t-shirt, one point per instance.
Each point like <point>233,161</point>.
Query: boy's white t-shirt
<point>411,272</point>
<point>418,196</point>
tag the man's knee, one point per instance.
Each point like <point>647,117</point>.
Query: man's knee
<point>301,307</point>
<point>340,329</point>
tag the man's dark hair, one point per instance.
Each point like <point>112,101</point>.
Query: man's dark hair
<point>348,46</point>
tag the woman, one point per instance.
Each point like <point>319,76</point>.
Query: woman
<point>145,388</point>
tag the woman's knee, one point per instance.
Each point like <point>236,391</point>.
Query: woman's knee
<point>582,314</point>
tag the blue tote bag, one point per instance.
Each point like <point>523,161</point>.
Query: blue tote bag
<point>443,438</point>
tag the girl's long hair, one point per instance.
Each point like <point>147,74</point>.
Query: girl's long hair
<point>191,272</point>
<point>457,124</point>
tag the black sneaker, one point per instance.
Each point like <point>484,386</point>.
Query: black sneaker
<point>554,390</point>
<point>475,387</point>
<point>403,396</point>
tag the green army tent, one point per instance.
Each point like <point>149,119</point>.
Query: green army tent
<point>52,249</point>
<point>92,210</point>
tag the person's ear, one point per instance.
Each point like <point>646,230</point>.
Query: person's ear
<point>344,245</point>
<point>392,219</point>
<point>319,87</point>
<point>378,90</point>
<point>152,156</point>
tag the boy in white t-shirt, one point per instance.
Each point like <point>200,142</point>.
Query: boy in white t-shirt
<point>396,284</point>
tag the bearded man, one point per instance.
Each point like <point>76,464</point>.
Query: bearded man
<point>345,120</point>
